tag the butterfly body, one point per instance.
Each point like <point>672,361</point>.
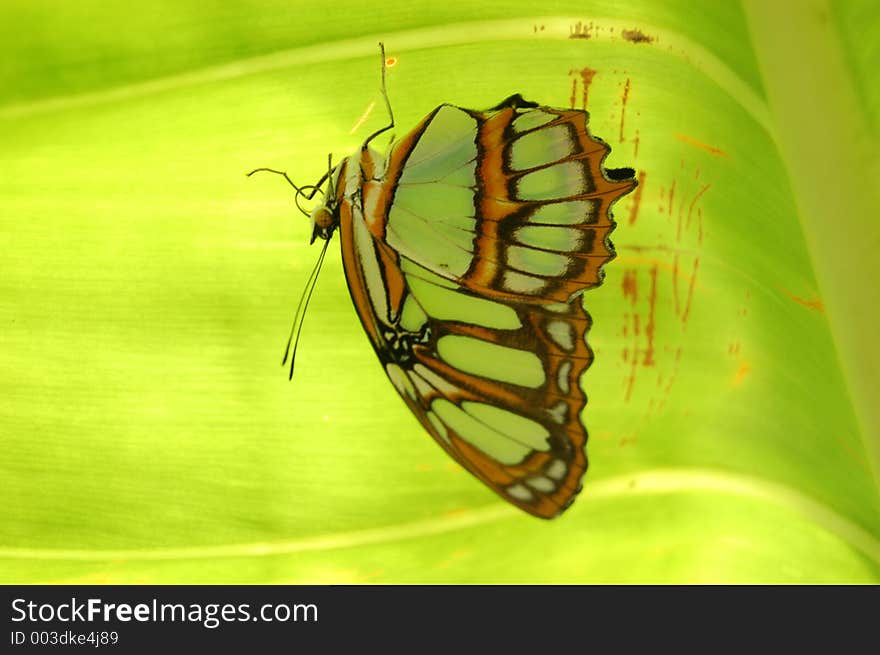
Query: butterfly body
<point>466,252</point>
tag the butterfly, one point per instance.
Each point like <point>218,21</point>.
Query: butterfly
<point>466,251</point>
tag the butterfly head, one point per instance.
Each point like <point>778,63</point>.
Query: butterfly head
<point>325,215</point>
<point>325,218</point>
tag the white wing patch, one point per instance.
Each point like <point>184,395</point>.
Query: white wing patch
<point>559,412</point>
<point>370,266</point>
<point>562,334</point>
<point>542,484</point>
<point>484,437</point>
<point>516,427</point>
<point>561,239</point>
<point>541,147</point>
<point>570,212</point>
<point>445,304</point>
<point>523,284</point>
<point>438,425</point>
<point>557,469</point>
<point>539,262</point>
<point>562,180</point>
<point>433,380</point>
<point>532,119</point>
<point>489,360</point>
<point>562,377</point>
<point>400,380</point>
<point>519,492</point>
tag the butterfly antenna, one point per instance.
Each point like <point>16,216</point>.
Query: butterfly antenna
<point>384,97</point>
<point>299,316</point>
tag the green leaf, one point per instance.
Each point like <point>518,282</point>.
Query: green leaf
<point>149,435</point>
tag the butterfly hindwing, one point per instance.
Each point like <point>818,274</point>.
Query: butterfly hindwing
<point>509,415</point>
<point>465,255</point>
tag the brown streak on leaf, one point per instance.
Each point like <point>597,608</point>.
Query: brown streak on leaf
<point>580,31</point>
<point>694,202</point>
<point>635,360</point>
<point>636,36</point>
<point>623,108</point>
<point>815,304</point>
<point>630,285</point>
<point>672,378</point>
<point>690,296</point>
<point>678,223</point>
<point>741,373</point>
<point>649,328</point>
<point>645,261</point>
<point>675,285</point>
<point>684,138</point>
<point>637,199</point>
<point>586,75</point>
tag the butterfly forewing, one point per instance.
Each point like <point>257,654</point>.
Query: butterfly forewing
<point>465,256</point>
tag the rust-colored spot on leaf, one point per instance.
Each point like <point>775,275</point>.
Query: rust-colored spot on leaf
<point>815,304</point>
<point>586,76</point>
<point>741,373</point>
<point>631,380</point>
<point>691,141</point>
<point>580,31</point>
<point>636,36</point>
<point>637,199</point>
<point>630,285</point>
<point>623,102</point>
<point>675,285</point>
<point>649,328</point>
<point>694,202</point>
<point>690,296</point>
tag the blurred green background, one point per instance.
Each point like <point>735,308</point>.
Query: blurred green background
<point>149,435</point>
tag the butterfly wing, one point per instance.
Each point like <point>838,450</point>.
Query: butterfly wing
<point>465,258</point>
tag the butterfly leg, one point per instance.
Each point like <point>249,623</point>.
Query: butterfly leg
<point>272,170</point>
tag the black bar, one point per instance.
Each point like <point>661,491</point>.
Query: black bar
<point>425,618</point>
